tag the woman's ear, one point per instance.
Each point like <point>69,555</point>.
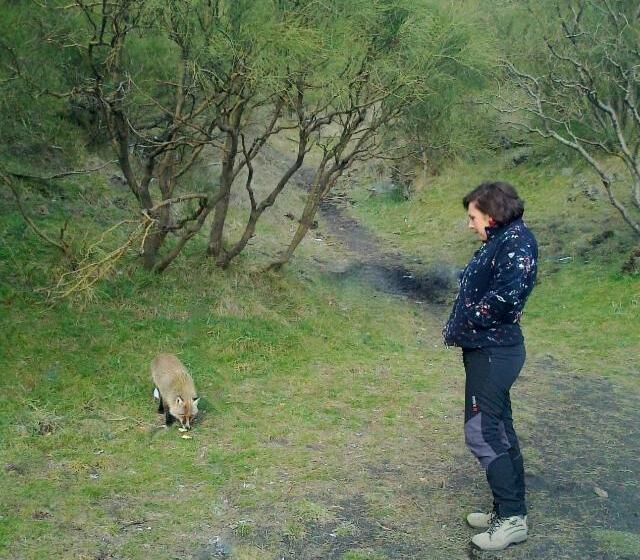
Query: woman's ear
<point>492,222</point>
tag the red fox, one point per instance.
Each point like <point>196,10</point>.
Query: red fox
<point>175,389</point>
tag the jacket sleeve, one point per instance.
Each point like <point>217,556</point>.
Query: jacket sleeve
<point>513,273</point>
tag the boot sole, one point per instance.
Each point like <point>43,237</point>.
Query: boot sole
<point>483,527</point>
<point>475,546</point>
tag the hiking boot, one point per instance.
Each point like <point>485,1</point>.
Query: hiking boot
<point>481,520</point>
<point>502,532</point>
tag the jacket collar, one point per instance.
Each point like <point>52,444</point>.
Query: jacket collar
<point>496,230</point>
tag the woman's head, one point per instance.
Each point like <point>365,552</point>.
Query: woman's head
<point>490,204</point>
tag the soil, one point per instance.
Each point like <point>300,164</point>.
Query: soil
<point>386,270</point>
<point>371,262</point>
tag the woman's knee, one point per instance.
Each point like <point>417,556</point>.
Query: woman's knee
<point>477,442</point>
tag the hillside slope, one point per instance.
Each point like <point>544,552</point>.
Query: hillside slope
<point>332,413</point>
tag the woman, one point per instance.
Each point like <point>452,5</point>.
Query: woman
<point>484,322</point>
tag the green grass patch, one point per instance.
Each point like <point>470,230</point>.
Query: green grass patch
<point>285,367</point>
<point>330,413</point>
<point>620,543</point>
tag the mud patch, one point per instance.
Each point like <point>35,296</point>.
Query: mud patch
<point>432,285</point>
<point>382,269</point>
<point>372,263</point>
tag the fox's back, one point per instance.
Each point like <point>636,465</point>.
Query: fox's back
<point>171,377</point>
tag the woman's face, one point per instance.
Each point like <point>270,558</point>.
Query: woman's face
<point>478,221</point>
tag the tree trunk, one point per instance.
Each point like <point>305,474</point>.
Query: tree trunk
<point>157,236</point>
<point>225,259</point>
<point>215,248</point>
<point>189,232</point>
<point>306,221</point>
<point>323,181</point>
<point>256,212</point>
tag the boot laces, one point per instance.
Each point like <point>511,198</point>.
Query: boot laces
<point>496,521</point>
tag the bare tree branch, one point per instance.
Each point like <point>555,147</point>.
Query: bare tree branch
<point>60,175</point>
<point>587,99</point>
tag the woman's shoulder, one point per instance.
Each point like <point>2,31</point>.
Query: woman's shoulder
<point>517,236</point>
<point>517,230</point>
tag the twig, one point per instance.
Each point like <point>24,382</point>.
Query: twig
<point>85,276</point>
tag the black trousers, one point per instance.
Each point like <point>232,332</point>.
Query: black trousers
<point>488,427</point>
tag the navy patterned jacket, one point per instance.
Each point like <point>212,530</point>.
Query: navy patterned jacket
<point>493,289</point>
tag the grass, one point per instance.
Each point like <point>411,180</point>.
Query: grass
<point>84,452</point>
<point>289,368</point>
<point>331,413</point>
<point>623,543</point>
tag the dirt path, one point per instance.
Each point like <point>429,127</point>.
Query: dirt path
<point>580,435</point>
<point>371,263</point>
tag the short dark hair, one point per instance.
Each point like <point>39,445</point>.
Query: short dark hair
<point>498,199</point>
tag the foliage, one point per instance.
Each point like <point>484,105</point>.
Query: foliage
<point>36,126</point>
<point>442,123</point>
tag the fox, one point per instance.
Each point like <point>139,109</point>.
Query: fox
<point>175,389</point>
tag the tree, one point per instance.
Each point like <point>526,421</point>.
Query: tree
<point>217,73</point>
<point>396,55</point>
<point>584,93</point>
<point>447,121</point>
<point>175,82</point>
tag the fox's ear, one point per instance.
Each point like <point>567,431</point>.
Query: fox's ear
<point>196,400</point>
<point>179,401</point>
